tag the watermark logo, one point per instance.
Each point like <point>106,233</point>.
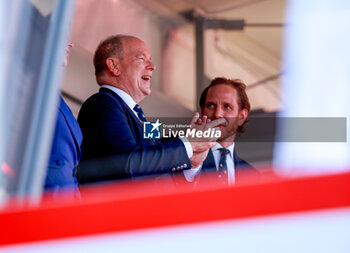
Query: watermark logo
<point>157,130</point>
<point>151,129</point>
<point>261,129</point>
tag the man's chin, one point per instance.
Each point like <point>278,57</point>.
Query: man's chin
<point>226,137</point>
<point>148,92</point>
<point>222,138</point>
<point>145,87</point>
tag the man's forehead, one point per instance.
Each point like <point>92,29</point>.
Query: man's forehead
<point>222,91</point>
<point>135,46</point>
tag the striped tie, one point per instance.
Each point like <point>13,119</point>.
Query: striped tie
<point>139,112</point>
<point>222,174</point>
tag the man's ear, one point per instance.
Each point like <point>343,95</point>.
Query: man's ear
<point>113,65</point>
<point>243,114</point>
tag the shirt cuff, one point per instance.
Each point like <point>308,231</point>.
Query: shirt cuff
<point>188,146</point>
<point>191,173</point>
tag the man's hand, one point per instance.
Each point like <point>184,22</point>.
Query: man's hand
<point>198,158</point>
<point>201,144</point>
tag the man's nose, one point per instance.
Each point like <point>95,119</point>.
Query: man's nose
<point>151,65</point>
<point>218,113</point>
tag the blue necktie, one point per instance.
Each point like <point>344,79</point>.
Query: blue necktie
<point>139,112</point>
<point>223,174</point>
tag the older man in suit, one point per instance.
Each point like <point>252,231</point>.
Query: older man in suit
<point>111,120</point>
<point>223,98</point>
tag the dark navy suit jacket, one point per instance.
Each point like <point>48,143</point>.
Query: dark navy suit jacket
<point>114,147</point>
<point>241,166</point>
<point>65,152</point>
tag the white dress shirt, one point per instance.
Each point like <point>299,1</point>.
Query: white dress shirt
<point>131,104</point>
<point>191,173</point>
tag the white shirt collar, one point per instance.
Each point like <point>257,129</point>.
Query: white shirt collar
<point>230,148</point>
<point>124,96</point>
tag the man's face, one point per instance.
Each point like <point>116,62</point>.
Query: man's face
<point>222,102</point>
<point>136,69</point>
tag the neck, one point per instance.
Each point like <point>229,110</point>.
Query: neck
<point>225,144</point>
<point>112,81</point>
<point>105,79</point>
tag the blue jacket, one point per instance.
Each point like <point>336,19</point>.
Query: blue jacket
<point>65,152</point>
<point>242,168</point>
<point>114,147</point>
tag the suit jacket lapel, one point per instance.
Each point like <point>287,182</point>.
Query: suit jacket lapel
<point>121,101</point>
<point>209,162</point>
<point>241,166</point>
<point>209,165</point>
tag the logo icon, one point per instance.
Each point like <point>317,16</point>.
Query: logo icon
<point>151,129</point>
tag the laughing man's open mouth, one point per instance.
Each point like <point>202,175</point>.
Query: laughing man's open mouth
<point>146,77</point>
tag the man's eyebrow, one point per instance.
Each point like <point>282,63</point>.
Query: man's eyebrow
<point>139,54</point>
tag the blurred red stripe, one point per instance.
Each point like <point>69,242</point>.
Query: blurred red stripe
<point>124,206</point>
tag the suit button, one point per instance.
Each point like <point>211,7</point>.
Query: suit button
<point>185,165</point>
<point>59,162</point>
<point>181,167</point>
<point>173,169</point>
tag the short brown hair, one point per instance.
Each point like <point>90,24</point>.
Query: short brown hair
<point>112,46</point>
<point>243,100</point>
